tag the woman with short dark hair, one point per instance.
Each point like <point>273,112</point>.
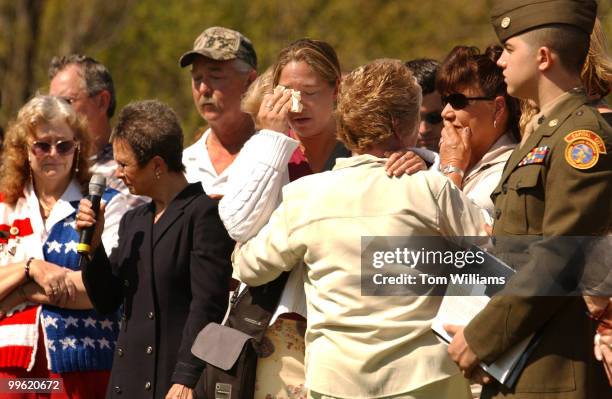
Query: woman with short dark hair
<point>480,121</point>
<point>170,274</point>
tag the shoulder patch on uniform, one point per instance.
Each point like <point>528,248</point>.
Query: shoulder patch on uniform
<point>583,148</point>
<point>536,155</point>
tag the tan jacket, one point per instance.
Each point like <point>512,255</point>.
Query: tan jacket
<point>359,346</point>
<point>481,179</point>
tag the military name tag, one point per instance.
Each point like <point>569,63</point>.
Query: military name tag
<point>583,149</point>
<point>536,155</point>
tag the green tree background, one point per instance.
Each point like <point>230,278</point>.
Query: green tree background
<point>141,41</point>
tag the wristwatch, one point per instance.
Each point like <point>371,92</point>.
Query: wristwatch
<point>448,169</point>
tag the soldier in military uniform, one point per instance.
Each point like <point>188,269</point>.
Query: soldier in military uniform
<point>558,182</point>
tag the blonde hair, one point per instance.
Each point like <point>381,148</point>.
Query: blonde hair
<point>15,168</point>
<point>529,109</point>
<point>319,55</point>
<point>373,101</point>
<point>596,73</point>
<point>252,99</point>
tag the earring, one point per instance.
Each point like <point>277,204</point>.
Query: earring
<point>157,175</point>
<point>495,123</point>
<point>76,165</point>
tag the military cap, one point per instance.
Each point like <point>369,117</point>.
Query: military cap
<point>512,17</point>
<point>221,44</point>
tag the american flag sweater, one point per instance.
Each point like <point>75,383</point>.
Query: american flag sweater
<point>75,340</point>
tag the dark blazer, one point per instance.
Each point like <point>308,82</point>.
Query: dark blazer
<point>549,199</point>
<point>170,279</point>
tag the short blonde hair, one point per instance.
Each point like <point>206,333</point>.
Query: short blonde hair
<point>596,73</point>
<point>373,101</point>
<point>15,172</point>
<point>251,100</point>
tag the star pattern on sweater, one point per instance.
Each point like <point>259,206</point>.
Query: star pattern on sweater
<point>49,321</point>
<point>104,343</point>
<point>106,323</point>
<point>71,321</point>
<point>54,246</point>
<point>87,341</point>
<point>90,322</point>
<point>71,246</point>
<point>68,342</point>
<point>70,222</point>
<point>51,345</point>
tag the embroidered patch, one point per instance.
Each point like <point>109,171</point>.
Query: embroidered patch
<point>583,149</point>
<point>536,155</point>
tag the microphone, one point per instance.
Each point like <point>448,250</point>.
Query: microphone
<point>97,185</point>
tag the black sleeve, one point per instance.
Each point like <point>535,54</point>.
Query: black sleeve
<point>210,273</point>
<point>104,288</point>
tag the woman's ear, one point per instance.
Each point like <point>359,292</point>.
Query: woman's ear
<point>500,107</point>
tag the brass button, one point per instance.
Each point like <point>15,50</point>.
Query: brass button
<point>148,386</point>
<point>126,283</point>
<point>120,352</point>
<point>117,389</point>
<point>150,315</point>
<point>505,22</point>
<point>553,123</point>
<point>149,350</point>
<point>123,317</point>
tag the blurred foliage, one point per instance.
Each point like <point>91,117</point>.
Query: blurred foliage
<point>141,41</point>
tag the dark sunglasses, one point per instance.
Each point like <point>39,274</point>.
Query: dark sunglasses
<point>460,101</point>
<point>41,148</point>
<point>433,118</point>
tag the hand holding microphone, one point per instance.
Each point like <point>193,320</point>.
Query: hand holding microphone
<point>90,217</point>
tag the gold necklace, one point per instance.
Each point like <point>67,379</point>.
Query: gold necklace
<point>46,209</point>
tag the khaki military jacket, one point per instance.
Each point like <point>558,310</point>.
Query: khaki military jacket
<point>559,183</point>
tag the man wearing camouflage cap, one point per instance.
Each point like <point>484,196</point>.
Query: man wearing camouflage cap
<point>558,182</point>
<point>223,65</point>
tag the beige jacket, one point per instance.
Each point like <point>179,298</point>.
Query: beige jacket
<point>359,346</point>
<point>482,178</point>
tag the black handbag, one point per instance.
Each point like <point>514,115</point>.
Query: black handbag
<point>231,350</point>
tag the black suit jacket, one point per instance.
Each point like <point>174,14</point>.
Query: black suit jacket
<point>170,279</point>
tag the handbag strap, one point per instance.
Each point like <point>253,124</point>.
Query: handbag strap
<point>251,310</point>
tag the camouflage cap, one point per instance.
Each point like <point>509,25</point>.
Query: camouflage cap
<point>512,17</point>
<point>221,44</point>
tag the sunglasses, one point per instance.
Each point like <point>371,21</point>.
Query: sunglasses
<point>433,118</point>
<point>460,101</point>
<point>42,148</point>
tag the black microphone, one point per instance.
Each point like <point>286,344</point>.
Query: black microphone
<point>97,185</point>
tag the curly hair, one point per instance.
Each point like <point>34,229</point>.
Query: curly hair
<point>597,70</point>
<point>15,169</point>
<point>373,101</point>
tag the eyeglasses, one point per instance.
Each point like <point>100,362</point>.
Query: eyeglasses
<point>433,118</point>
<point>42,148</point>
<point>460,101</point>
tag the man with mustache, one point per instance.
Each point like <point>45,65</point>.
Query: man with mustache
<point>223,65</point>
